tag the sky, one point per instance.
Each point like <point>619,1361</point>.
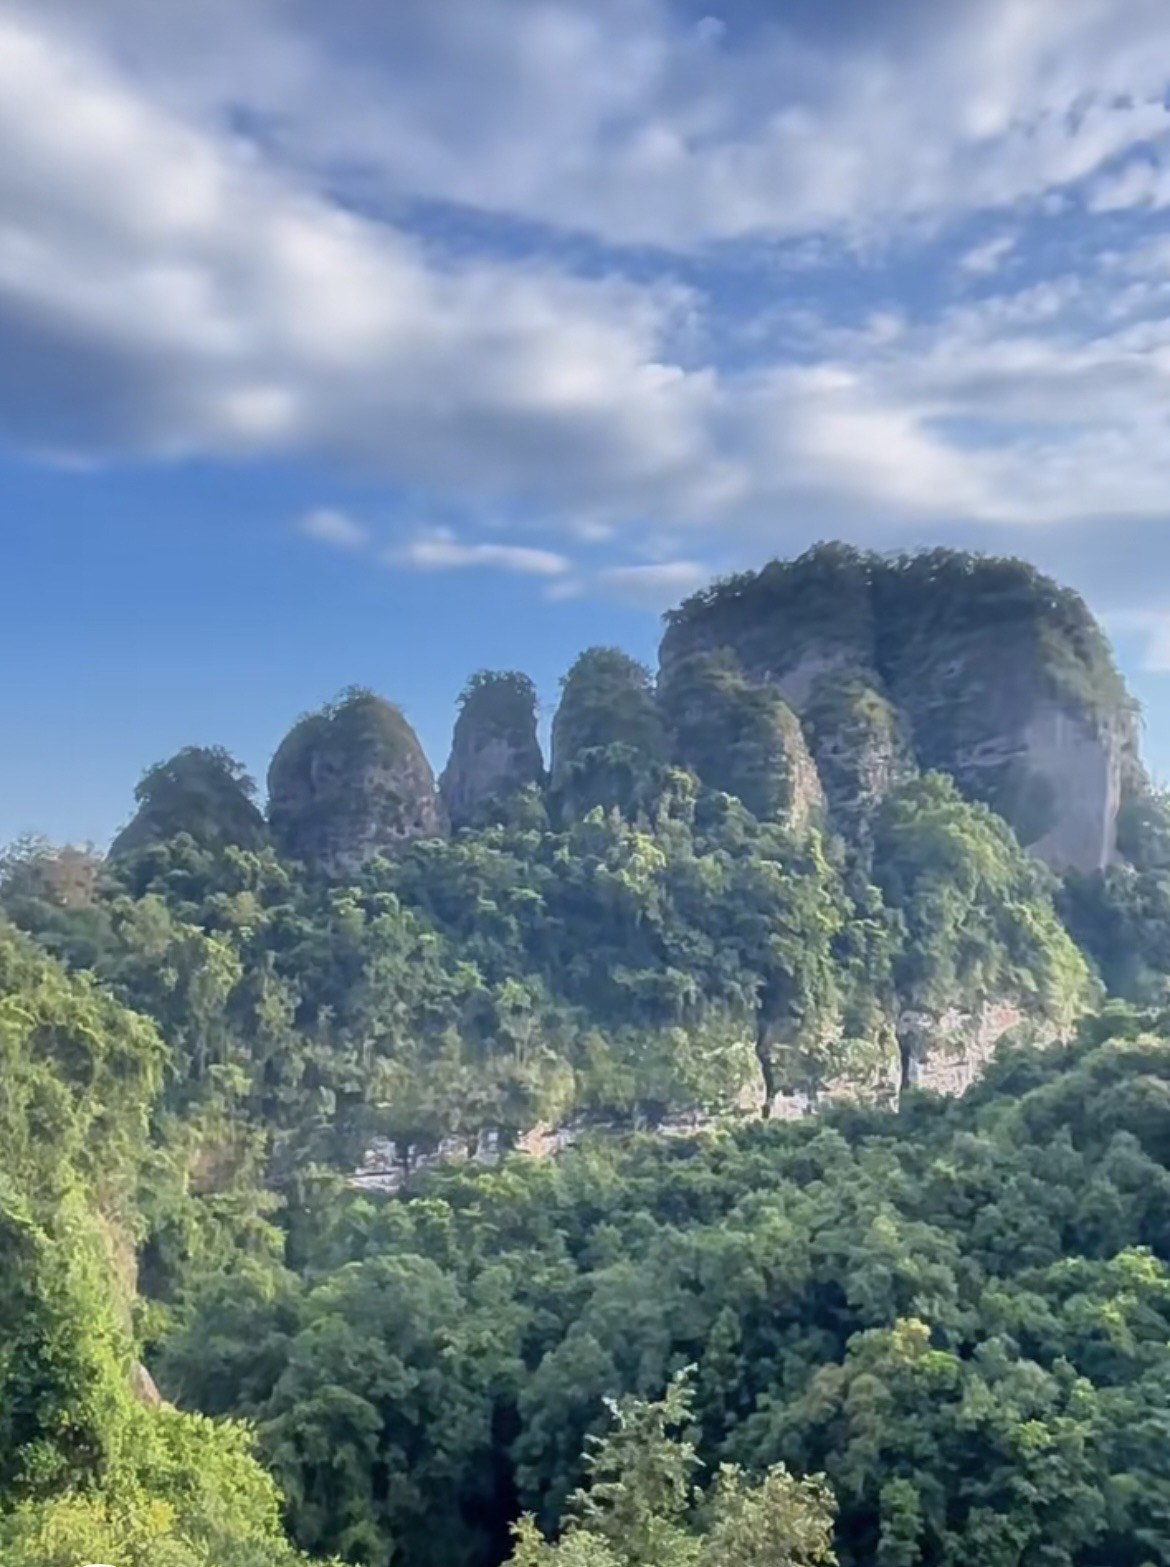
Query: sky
<point>380,341</point>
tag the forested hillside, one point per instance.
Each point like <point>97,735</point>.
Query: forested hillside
<point>876,833</point>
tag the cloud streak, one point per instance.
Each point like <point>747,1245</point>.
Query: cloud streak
<point>443,552</point>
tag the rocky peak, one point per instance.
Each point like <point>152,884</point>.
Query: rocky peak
<point>608,742</point>
<point>202,791</point>
<point>788,624</point>
<point>349,783</point>
<point>495,753</point>
<point>994,673</point>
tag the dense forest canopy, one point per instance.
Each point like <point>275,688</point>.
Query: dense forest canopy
<point>910,1330</point>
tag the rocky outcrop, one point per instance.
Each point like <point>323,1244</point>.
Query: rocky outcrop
<point>349,783</point>
<point>741,737</point>
<point>201,791</point>
<point>949,1053</point>
<point>1013,715</point>
<point>941,1053</point>
<point>992,673</point>
<point>608,742</point>
<point>143,1387</point>
<point>859,744</point>
<point>789,624</point>
<point>495,753</point>
<point>945,1053</point>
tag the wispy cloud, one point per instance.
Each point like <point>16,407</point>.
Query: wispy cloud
<point>330,526</point>
<point>656,583</point>
<point>444,552</point>
<point>987,257</point>
<point>624,119</point>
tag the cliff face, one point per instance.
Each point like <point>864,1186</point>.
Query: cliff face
<point>349,783</point>
<point>983,669</point>
<point>859,745</point>
<point>945,1053</point>
<point>495,753</point>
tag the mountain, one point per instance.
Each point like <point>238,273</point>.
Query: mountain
<point>790,868</point>
<point>875,842</point>
<point>995,675</point>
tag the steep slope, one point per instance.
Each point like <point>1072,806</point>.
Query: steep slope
<point>608,741</point>
<point>859,744</point>
<point>741,737</point>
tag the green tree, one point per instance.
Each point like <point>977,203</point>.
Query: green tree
<point>640,1506</point>
<point>202,791</point>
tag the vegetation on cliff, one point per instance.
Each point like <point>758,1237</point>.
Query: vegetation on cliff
<point>608,740</point>
<point>859,746</point>
<point>905,1332</point>
<point>958,1316</point>
<point>348,782</point>
<point>496,766</point>
<point>89,1472</point>
<point>999,676</point>
<point>891,612</point>
<point>741,738</point>
<point>202,791</point>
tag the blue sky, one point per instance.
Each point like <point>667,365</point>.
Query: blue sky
<point>380,342</point>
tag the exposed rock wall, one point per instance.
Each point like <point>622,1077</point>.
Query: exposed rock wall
<point>982,705</point>
<point>992,673</point>
<point>1082,769</point>
<point>859,745</point>
<point>945,1053</point>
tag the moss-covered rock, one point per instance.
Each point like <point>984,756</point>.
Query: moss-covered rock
<point>790,623</point>
<point>1008,684</point>
<point>495,753</point>
<point>608,742</point>
<point>349,783</point>
<point>1001,677</point>
<point>859,744</point>
<point>740,736</point>
<point>202,791</point>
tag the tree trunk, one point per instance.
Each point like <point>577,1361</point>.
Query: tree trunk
<point>767,1071</point>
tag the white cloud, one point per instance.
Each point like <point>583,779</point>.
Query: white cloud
<point>625,119</point>
<point>442,552</point>
<point>987,257</point>
<point>330,526</point>
<point>164,291</point>
<point>169,288</point>
<point>1142,183</point>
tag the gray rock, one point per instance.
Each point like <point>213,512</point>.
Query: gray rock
<point>350,783</point>
<point>495,753</point>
